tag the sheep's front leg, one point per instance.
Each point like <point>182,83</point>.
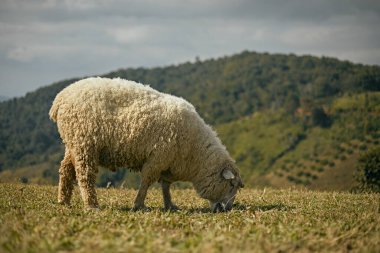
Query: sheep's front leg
<point>150,173</point>
<point>168,204</point>
<point>66,179</point>
<point>86,175</point>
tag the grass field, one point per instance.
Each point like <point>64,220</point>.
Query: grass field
<point>261,221</point>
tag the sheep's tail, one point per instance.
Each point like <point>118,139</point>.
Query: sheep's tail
<point>54,108</point>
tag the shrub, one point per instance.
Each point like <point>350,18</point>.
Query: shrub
<point>320,169</point>
<point>24,180</point>
<point>324,162</point>
<point>290,178</point>
<point>363,147</point>
<point>294,180</point>
<point>320,118</point>
<point>284,168</point>
<point>368,170</point>
<point>307,174</point>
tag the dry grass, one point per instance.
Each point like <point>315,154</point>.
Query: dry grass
<point>261,221</point>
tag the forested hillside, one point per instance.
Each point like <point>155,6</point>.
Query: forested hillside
<point>272,112</point>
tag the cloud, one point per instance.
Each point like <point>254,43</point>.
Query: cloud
<point>21,54</point>
<point>50,40</point>
<point>127,35</point>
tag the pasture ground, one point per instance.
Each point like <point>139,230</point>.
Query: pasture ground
<point>262,221</point>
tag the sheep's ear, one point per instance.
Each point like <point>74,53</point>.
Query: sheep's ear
<point>227,174</point>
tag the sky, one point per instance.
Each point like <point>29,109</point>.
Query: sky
<point>44,41</point>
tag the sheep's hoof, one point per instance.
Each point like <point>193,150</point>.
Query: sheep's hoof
<point>140,208</point>
<point>64,202</point>
<point>172,208</point>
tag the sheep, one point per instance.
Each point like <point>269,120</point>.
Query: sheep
<point>116,123</point>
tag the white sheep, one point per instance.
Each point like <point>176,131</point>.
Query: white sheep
<point>117,123</point>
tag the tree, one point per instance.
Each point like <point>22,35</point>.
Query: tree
<point>368,170</point>
<point>319,117</point>
<point>292,102</point>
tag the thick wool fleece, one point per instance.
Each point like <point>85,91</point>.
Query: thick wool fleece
<point>118,123</point>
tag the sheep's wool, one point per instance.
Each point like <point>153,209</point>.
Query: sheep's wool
<point>118,123</point>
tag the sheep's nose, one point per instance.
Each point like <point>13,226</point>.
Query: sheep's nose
<point>218,208</point>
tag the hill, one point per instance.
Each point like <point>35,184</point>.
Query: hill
<point>271,112</point>
<point>3,98</point>
<point>260,221</point>
<point>290,150</point>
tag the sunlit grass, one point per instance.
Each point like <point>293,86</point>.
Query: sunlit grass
<point>261,221</point>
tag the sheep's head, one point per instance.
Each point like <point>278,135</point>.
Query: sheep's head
<point>231,185</point>
<point>221,187</point>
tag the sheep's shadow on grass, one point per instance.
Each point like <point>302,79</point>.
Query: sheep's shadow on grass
<point>143,210</point>
<point>147,209</point>
<point>197,210</point>
<point>151,209</point>
<point>263,208</point>
<point>245,207</point>
<point>160,209</point>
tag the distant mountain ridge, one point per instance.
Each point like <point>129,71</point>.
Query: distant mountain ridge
<point>224,91</point>
<point>3,98</point>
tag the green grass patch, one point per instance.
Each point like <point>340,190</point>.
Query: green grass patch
<point>261,221</point>
<point>257,141</point>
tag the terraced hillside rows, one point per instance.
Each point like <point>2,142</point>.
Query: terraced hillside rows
<point>335,169</point>
<point>276,149</point>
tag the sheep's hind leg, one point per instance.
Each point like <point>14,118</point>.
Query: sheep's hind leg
<point>86,175</point>
<point>66,179</point>
<point>168,204</point>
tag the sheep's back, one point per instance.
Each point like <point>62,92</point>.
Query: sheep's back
<point>118,116</point>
